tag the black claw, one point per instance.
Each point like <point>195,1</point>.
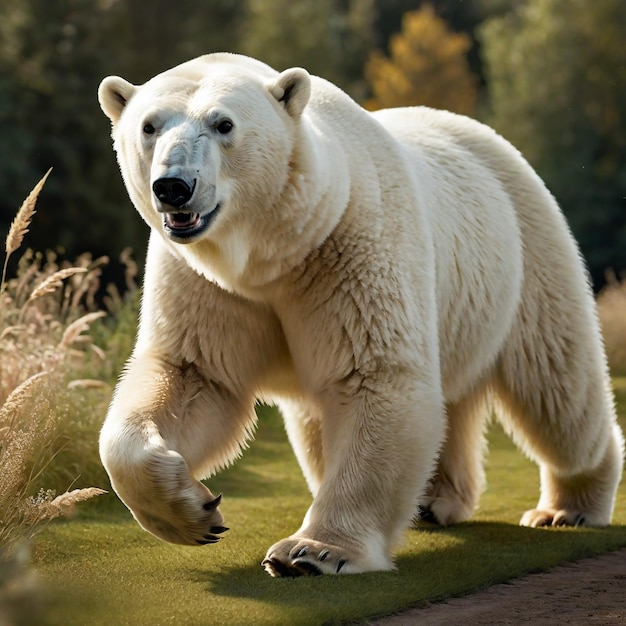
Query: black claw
<point>305,568</point>
<point>426,515</point>
<point>580,521</point>
<point>341,563</point>
<point>207,539</point>
<point>301,552</point>
<point>323,555</point>
<point>213,504</point>
<point>277,569</point>
<point>217,530</point>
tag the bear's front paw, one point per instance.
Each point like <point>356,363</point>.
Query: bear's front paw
<point>190,519</point>
<point>306,557</point>
<point>167,500</point>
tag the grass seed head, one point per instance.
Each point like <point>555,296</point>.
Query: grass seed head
<point>19,226</point>
<point>54,281</point>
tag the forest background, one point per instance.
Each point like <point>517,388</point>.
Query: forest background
<point>550,75</point>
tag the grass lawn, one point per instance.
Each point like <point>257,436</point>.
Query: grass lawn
<point>101,568</point>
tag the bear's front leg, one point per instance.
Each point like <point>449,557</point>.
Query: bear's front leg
<point>380,440</point>
<point>166,428</point>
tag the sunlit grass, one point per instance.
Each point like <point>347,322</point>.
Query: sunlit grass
<point>612,312</point>
<point>104,569</point>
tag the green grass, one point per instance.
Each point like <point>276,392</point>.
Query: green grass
<point>103,569</point>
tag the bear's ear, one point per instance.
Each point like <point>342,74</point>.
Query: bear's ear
<point>292,88</point>
<point>113,94</point>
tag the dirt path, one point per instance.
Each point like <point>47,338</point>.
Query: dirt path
<point>587,592</point>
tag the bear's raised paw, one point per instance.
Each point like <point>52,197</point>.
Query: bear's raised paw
<point>183,522</point>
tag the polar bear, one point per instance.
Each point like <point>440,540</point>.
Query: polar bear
<point>388,279</point>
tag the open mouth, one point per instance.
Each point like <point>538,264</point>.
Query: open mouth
<point>187,226</point>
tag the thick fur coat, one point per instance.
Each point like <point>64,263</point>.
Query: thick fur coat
<point>388,279</point>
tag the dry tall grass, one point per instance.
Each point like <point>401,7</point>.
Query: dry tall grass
<point>45,355</point>
<point>612,312</point>
<point>58,360</point>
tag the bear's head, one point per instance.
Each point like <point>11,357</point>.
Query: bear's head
<point>206,145</point>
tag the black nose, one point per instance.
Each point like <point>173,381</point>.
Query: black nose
<point>173,191</point>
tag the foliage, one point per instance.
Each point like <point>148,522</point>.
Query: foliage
<point>612,313</point>
<point>52,57</point>
<point>327,37</point>
<point>462,16</point>
<point>556,72</point>
<point>41,347</point>
<point>427,66</point>
<point>52,398</point>
<point>187,28</point>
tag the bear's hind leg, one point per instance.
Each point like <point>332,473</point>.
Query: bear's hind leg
<point>552,377</point>
<point>556,403</point>
<point>580,499</point>
<point>455,488</point>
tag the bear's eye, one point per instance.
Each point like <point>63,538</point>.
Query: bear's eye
<point>224,127</point>
<point>148,129</point>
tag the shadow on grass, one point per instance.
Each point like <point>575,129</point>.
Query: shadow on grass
<point>267,468</point>
<point>87,564</point>
<point>434,564</point>
<point>265,497</point>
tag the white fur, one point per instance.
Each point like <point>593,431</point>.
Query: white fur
<point>388,279</point>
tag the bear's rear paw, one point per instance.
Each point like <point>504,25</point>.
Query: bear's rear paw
<point>535,518</point>
<point>444,508</point>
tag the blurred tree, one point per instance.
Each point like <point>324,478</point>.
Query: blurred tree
<point>557,83</point>
<point>329,38</point>
<point>427,66</point>
<point>161,34</point>
<point>51,60</point>
<point>461,16</point>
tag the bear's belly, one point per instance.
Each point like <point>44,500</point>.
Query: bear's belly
<point>479,278</point>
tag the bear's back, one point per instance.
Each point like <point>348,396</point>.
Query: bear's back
<point>475,230</point>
